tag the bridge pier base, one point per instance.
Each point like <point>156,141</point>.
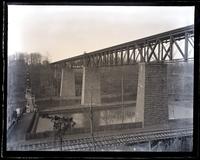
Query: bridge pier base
<point>152,95</point>
<point>91,86</point>
<point>67,86</point>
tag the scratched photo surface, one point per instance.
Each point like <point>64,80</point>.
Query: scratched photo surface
<point>100,78</point>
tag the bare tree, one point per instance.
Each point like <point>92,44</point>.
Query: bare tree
<point>35,58</point>
<point>61,126</point>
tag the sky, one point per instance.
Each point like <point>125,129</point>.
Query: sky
<point>60,32</point>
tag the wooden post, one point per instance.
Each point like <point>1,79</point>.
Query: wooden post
<point>91,120</point>
<point>122,95</point>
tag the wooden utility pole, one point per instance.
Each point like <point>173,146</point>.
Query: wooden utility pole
<point>122,96</point>
<point>91,120</point>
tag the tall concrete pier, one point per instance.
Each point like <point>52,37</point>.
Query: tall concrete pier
<point>91,86</point>
<point>152,95</point>
<point>67,85</point>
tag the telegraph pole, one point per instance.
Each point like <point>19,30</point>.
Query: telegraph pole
<point>122,96</point>
<point>91,120</point>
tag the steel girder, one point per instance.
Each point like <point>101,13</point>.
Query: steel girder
<point>157,48</point>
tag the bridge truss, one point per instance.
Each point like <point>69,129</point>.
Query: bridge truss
<point>173,45</point>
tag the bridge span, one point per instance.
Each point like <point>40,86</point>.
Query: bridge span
<point>156,48</point>
<point>153,78</point>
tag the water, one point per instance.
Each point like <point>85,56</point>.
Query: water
<point>100,118</point>
<point>177,110</point>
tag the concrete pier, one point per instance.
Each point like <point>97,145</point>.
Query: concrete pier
<point>67,86</point>
<point>91,86</point>
<point>152,95</point>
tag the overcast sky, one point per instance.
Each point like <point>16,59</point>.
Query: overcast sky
<point>65,31</point>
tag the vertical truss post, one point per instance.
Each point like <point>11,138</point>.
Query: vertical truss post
<point>161,57</point>
<point>112,54</point>
<point>171,47</point>
<point>159,51</point>
<point>93,61</point>
<point>116,57</point>
<point>104,57</point>
<point>143,51</point>
<point>141,54</point>
<point>122,56</point>
<point>186,47</point>
<point>110,58</point>
<point>107,59</point>
<point>128,55</point>
<point>96,60</point>
<point>147,52</point>
<point>134,55</point>
<point>100,60</point>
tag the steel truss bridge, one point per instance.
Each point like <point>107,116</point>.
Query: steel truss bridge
<point>157,48</point>
<point>104,141</point>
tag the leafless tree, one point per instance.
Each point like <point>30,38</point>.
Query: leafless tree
<point>61,125</point>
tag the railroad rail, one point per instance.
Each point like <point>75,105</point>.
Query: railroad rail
<point>157,48</point>
<point>98,142</point>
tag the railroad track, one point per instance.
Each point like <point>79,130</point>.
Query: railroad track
<point>98,142</point>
